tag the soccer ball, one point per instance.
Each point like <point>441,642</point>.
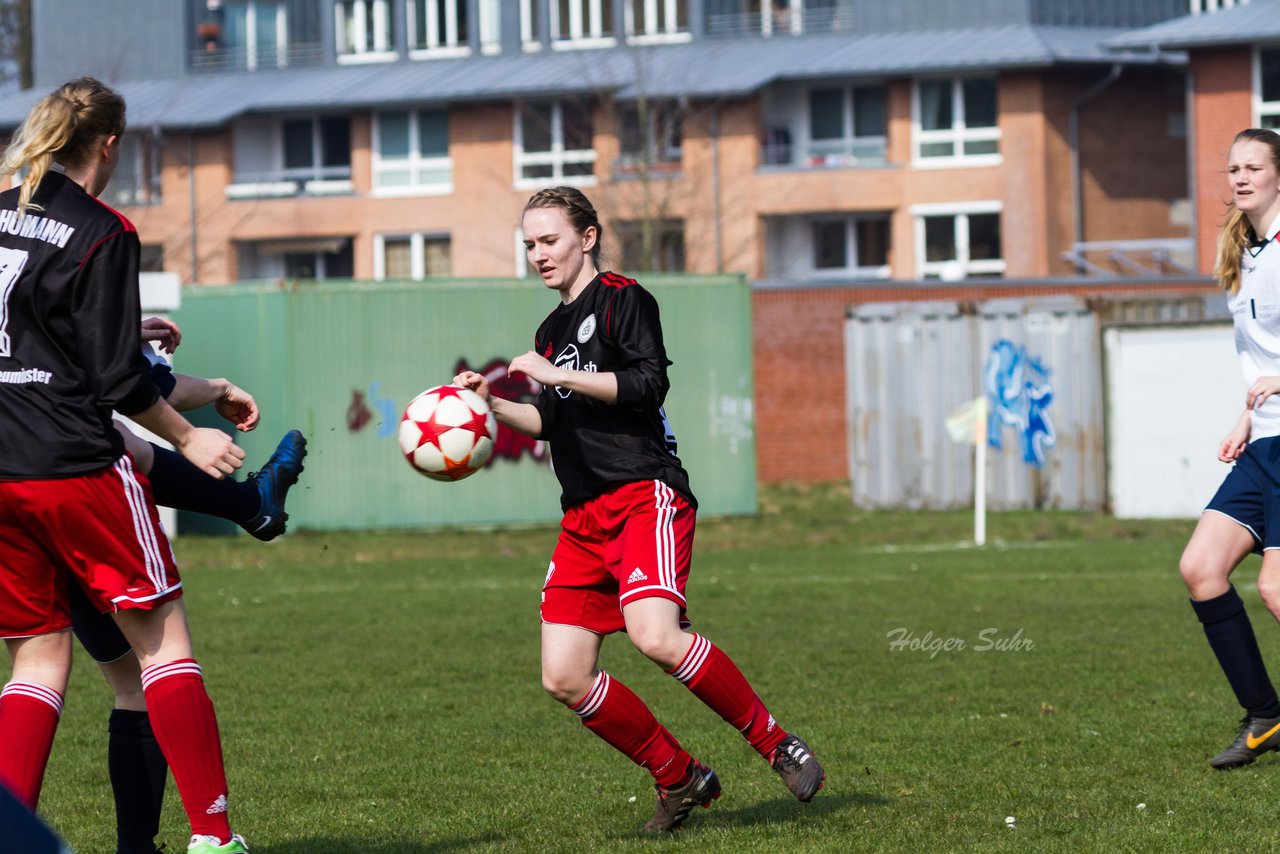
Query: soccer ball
<point>447,433</point>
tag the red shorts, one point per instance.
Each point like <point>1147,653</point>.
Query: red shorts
<point>634,542</point>
<point>101,529</point>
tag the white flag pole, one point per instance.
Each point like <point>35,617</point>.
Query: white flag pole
<point>980,476</point>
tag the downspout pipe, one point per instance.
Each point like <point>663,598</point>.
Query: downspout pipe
<point>1073,142</point>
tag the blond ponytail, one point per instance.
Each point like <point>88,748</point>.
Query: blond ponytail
<point>62,127</point>
<point>1236,235</point>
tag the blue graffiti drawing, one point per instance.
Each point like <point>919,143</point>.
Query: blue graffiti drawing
<point>390,422</point>
<point>1020,394</point>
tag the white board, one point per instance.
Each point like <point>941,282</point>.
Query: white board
<point>1173,393</point>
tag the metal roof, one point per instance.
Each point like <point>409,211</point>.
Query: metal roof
<point>698,70</point>
<point>1258,21</point>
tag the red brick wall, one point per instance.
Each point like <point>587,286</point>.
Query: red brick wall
<point>1223,106</point>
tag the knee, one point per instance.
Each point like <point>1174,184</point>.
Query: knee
<point>661,644</point>
<point>1269,590</point>
<point>1204,577</point>
<point>566,685</point>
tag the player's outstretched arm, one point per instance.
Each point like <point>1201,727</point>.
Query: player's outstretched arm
<point>523,417</point>
<point>210,450</point>
<point>231,402</point>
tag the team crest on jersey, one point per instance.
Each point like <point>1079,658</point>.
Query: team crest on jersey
<point>587,329</point>
<point>568,359</point>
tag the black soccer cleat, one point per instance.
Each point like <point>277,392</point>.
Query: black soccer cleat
<point>675,804</point>
<point>798,768</point>
<point>1257,736</point>
<point>273,482</point>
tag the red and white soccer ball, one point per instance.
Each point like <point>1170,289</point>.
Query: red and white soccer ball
<point>447,433</point>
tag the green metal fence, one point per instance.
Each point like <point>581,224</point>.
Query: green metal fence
<point>340,361</point>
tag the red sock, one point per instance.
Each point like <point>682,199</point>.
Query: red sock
<point>185,725</point>
<point>29,716</point>
<point>612,711</point>
<point>716,680</point>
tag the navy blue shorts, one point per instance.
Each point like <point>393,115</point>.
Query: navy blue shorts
<point>97,632</point>
<point>1250,494</point>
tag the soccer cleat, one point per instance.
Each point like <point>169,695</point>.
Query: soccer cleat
<point>201,844</point>
<point>798,767</point>
<point>1257,736</point>
<point>675,804</point>
<point>273,482</point>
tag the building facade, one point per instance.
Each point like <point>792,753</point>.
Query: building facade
<point>807,142</point>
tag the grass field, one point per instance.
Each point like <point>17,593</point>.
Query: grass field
<point>379,693</point>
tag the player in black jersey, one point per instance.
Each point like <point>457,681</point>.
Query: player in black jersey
<point>72,507</point>
<point>625,543</point>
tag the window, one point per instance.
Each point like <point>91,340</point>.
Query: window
<point>1267,87</point>
<point>285,157</point>
<point>491,26</point>
<point>958,242</point>
<point>320,265</point>
<point>576,21</point>
<point>296,258</point>
<point>657,20</point>
<point>411,152</point>
<point>1199,7</point>
<point>412,256</point>
<point>854,246</point>
<point>824,126</point>
<point>661,252</point>
<point>254,34</point>
<point>316,149</point>
<point>554,142</point>
<point>136,180</point>
<point>152,258</point>
<point>438,26</point>
<point>778,17</point>
<point>956,120</point>
<point>651,139</point>
<point>363,29</point>
<point>531,24</point>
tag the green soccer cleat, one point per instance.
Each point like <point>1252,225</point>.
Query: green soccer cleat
<point>1257,736</point>
<point>201,844</point>
<point>675,804</point>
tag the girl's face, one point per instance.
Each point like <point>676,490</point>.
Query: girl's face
<point>560,255</point>
<point>1254,181</point>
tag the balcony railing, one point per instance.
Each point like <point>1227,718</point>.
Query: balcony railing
<point>810,21</point>
<point>243,58</point>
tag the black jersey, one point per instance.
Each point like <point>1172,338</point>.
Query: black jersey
<point>612,326</point>
<point>70,346</point>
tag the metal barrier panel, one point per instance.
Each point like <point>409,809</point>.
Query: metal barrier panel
<point>910,364</point>
<point>340,361</point>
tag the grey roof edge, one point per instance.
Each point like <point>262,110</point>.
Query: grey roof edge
<point>703,70</point>
<point>1249,23</point>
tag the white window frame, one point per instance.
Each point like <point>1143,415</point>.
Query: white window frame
<point>415,162</point>
<point>586,26</point>
<point>490,26</point>
<point>446,44</point>
<point>1208,7</point>
<point>850,222</point>
<point>958,134</point>
<point>849,141</point>
<point>522,255</point>
<point>1261,108</point>
<point>251,58</point>
<point>668,34</point>
<point>382,49</point>
<point>962,266</point>
<point>417,252</point>
<point>529,39</point>
<point>557,157</point>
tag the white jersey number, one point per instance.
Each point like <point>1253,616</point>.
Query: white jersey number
<point>11,263</point>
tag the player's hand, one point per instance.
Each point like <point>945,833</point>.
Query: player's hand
<point>1230,449</point>
<point>537,368</point>
<point>473,381</point>
<point>237,406</point>
<point>162,330</point>
<point>211,451</point>
<point>1262,388</point>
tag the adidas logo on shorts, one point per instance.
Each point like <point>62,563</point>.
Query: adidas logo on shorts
<point>636,576</point>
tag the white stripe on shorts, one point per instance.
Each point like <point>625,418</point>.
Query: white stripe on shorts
<point>143,528</point>
<point>664,535</point>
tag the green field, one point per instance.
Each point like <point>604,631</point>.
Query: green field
<point>380,693</point>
